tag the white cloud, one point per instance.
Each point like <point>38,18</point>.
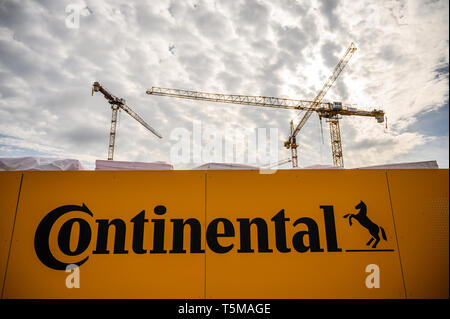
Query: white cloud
<point>259,47</point>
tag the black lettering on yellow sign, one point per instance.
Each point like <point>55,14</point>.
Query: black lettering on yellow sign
<point>41,238</point>
<point>179,226</point>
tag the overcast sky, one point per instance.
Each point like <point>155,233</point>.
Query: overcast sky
<point>281,48</point>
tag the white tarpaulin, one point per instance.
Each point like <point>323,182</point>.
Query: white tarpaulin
<point>427,164</point>
<point>417,165</point>
<point>217,166</point>
<point>322,167</point>
<point>102,165</point>
<point>34,163</point>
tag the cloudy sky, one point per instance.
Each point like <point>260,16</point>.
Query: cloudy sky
<point>282,48</point>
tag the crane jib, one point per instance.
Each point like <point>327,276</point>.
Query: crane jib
<point>337,71</point>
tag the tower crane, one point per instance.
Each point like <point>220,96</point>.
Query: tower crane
<point>323,109</point>
<point>117,103</point>
<point>328,110</point>
<point>336,144</point>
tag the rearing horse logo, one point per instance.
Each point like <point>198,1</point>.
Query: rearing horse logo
<point>373,228</point>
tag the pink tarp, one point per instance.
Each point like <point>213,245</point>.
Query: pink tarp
<point>36,163</point>
<point>418,165</point>
<point>57,164</point>
<point>322,167</point>
<point>218,166</point>
<point>102,165</point>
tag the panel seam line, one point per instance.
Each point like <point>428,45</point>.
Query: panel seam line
<point>12,235</point>
<point>206,244</point>
<point>396,235</point>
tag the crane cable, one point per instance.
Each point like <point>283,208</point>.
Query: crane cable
<point>321,134</point>
<point>321,129</point>
<point>119,111</point>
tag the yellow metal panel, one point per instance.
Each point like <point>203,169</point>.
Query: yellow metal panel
<point>420,205</point>
<point>9,190</point>
<point>327,274</point>
<point>108,195</point>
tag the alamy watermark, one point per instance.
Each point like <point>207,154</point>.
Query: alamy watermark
<point>73,280</point>
<point>72,20</point>
<point>74,12</point>
<point>250,146</point>
<point>373,279</point>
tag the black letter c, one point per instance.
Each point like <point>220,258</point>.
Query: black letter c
<point>41,238</point>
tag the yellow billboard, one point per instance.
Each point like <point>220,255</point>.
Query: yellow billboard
<point>225,234</point>
<point>302,245</point>
<point>420,208</point>
<point>88,218</point>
